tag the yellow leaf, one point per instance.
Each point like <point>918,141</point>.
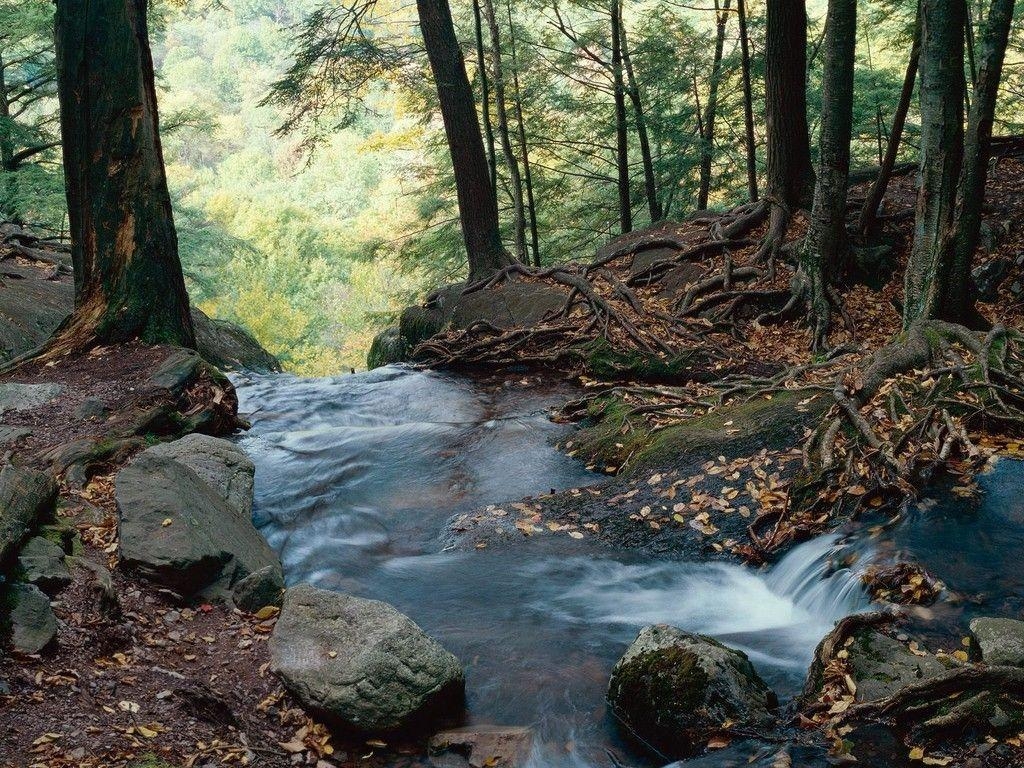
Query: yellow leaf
<point>149,733</point>
<point>916,754</point>
<point>167,521</point>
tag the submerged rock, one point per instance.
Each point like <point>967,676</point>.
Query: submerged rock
<point>481,746</point>
<point>674,689</point>
<point>33,625</point>
<point>221,464</point>
<point>178,531</point>
<point>1001,641</point>
<point>361,664</point>
<point>42,563</point>
<point>26,498</point>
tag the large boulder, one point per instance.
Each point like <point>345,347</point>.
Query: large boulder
<point>26,498</point>
<point>178,531</point>
<point>222,464</point>
<point>33,625</point>
<point>1000,641</point>
<point>361,664</point>
<point>674,689</point>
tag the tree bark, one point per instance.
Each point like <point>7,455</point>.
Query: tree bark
<point>485,98</point>
<point>927,286</point>
<point>790,173</point>
<point>708,139</point>
<point>514,178</point>
<point>748,102</point>
<point>478,210</point>
<point>128,279</point>
<point>621,135</point>
<point>824,249</point>
<point>524,150</point>
<point>633,88</point>
<point>869,212</point>
<point>977,153</point>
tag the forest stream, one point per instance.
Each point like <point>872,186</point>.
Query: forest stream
<point>357,476</point>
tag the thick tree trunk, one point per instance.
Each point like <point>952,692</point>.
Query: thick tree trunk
<point>927,288</point>
<point>650,181</point>
<point>824,249</point>
<point>485,98</point>
<point>748,102</point>
<point>478,210</point>
<point>515,180</point>
<point>128,279</point>
<point>869,212</point>
<point>790,173</point>
<point>708,139</point>
<point>977,152</point>
<point>524,150</point>
<point>621,135</point>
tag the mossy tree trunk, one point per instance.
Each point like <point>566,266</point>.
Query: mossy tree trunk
<point>478,209</point>
<point>128,279</point>
<point>824,251</point>
<point>621,129</point>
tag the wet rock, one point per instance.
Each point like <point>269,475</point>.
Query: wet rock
<point>361,664</point>
<point>674,689</point>
<point>260,589</point>
<point>26,498</point>
<point>33,625</point>
<point>223,465</point>
<point>481,746</point>
<point>230,347</point>
<point>388,347</point>
<point>179,532</point>
<point>881,665</point>
<point>42,563</point>
<point>1001,641</point>
<point>24,397</point>
<point>989,276</point>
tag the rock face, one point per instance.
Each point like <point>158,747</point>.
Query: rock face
<point>882,665</point>
<point>178,531</point>
<point>220,463</point>
<point>388,347</point>
<point>26,497</point>
<point>33,626</point>
<point>361,664</point>
<point>1001,641</point>
<point>481,746</point>
<point>673,689</point>
<point>42,563</point>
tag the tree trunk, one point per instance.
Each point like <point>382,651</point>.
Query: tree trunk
<point>128,279</point>
<point>977,152</point>
<point>927,282</point>
<point>869,212</point>
<point>824,249</point>
<point>524,150</point>
<point>621,136</point>
<point>6,144</point>
<point>650,182</point>
<point>478,210</point>
<point>485,98</point>
<point>708,139</point>
<point>790,173</point>
<point>514,178</point>
<point>748,102</point>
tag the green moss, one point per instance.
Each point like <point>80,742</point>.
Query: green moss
<point>661,686</point>
<point>150,761</point>
<point>605,362</point>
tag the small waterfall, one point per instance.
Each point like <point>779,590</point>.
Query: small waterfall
<point>814,577</point>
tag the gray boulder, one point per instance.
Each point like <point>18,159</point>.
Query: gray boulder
<point>1001,641</point>
<point>179,532</point>
<point>23,397</point>
<point>881,665</point>
<point>674,689</point>
<point>361,664</point>
<point>26,498</point>
<point>260,589</point>
<point>222,464</point>
<point>42,563</point>
<point>33,625</point>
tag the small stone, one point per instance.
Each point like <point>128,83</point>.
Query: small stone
<point>33,625</point>
<point>92,409</point>
<point>42,563</point>
<point>260,589</point>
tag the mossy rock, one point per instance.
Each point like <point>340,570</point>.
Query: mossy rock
<point>606,362</point>
<point>388,347</point>
<point>672,690</point>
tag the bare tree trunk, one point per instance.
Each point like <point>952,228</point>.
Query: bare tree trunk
<point>531,204</point>
<point>515,180</point>
<point>869,212</point>
<point>824,249</point>
<point>621,136</point>
<point>927,282</point>
<point>708,142</point>
<point>128,279</point>
<point>485,98</point>
<point>633,88</point>
<point>748,102</point>
<point>478,210</point>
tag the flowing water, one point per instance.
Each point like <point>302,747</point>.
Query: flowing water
<point>357,476</point>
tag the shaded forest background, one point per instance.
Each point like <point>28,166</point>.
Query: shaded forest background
<point>315,236</point>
